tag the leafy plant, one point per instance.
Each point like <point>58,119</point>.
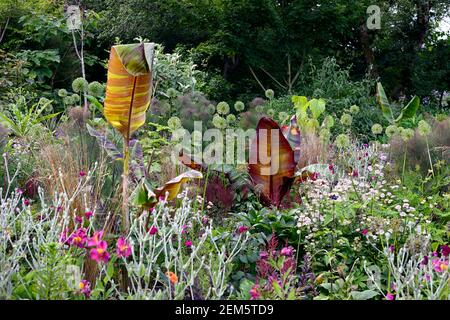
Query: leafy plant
<point>20,123</point>
<point>407,112</point>
<point>127,99</point>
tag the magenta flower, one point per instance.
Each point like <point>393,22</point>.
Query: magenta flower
<point>392,248</point>
<point>85,288</point>
<point>390,296</point>
<point>99,253</point>
<point>355,174</point>
<point>445,250</point>
<point>188,243</point>
<point>263,255</point>
<point>78,219</point>
<point>82,173</point>
<point>78,238</point>
<point>424,261</point>
<point>153,230</point>
<point>364,232</point>
<point>123,248</point>
<point>242,229</point>
<point>26,202</point>
<point>254,293</point>
<point>88,214</point>
<point>95,239</point>
<point>287,251</point>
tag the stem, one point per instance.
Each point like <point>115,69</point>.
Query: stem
<point>126,163</point>
<point>404,165</point>
<point>126,159</point>
<point>429,156</point>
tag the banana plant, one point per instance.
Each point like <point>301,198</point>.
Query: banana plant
<point>273,160</point>
<point>128,94</point>
<point>408,111</point>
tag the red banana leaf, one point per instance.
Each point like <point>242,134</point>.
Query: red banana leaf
<point>272,162</point>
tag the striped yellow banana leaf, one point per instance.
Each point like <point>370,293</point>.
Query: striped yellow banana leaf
<point>129,85</point>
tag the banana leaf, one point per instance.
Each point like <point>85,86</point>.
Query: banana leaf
<point>129,85</point>
<point>272,164</point>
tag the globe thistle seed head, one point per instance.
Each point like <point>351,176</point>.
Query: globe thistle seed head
<point>346,119</point>
<point>239,106</point>
<point>62,93</point>
<point>259,109</point>
<point>424,128</point>
<point>391,130</point>
<point>354,109</point>
<point>174,123</point>
<point>407,134</point>
<point>76,98</point>
<point>68,101</point>
<point>96,89</point>
<point>329,122</point>
<point>271,113</point>
<point>80,85</point>
<point>219,122</point>
<point>270,94</point>
<point>223,108</point>
<point>172,93</point>
<point>377,129</point>
<point>231,119</point>
<point>324,135</point>
<point>342,141</point>
<point>211,109</point>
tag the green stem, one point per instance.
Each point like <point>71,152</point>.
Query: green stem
<point>429,156</point>
<point>404,165</point>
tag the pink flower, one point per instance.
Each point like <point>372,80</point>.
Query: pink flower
<point>26,202</point>
<point>242,229</point>
<point>63,236</point>
<point>95,239</point>
<point>392,248</point>
<point>123,248</point>
<point>188,243</point>
<point>287,251</point>
<point>205,220</point>
<point>78,219</point>
<point>82,173</point>
<point>390,296</point>
<point>99,253</point>
<point>355,174</point>
<point>254,293</point>
<point>78,238</point>
<point>153,230</point>
<point>440,265</point>
<point>85,288</point>
<point>88,214</point>
<point>364,232</point>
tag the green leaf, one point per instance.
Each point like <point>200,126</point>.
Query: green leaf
<point>384,103</point>
<point>410,110</point>
<point>277,288</point>
<point>301,104</point>
<point>317,107</point>
<point>363,295</point>
<point>95,102</point>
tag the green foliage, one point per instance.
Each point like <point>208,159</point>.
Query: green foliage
<point>21,123</point>
<point>407,112</point>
